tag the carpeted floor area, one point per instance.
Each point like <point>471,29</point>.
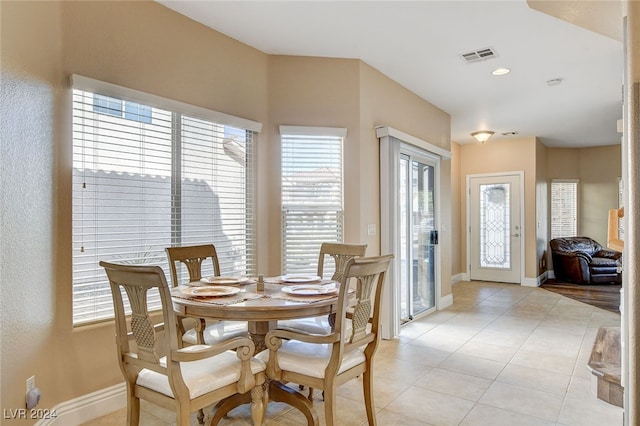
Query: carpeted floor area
<point>605,296</point>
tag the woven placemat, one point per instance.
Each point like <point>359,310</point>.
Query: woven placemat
<point>225,300</point>
<point>303,299</point>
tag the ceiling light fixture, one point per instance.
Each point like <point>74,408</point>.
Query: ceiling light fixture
<point>482,136</point>
<point>501,71</point>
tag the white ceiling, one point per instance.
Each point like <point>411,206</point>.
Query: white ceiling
<point>418,44</point>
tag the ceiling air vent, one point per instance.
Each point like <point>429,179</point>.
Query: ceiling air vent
<point>478,55</point>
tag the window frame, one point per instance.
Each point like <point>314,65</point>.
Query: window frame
<point>576,184</point>
<point>114,94</point>
<point>305,261</point>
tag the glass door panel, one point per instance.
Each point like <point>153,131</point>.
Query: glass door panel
<point>405,258</point>
<point>495,226</point>
<point>418,237</point>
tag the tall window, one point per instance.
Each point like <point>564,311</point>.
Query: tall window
<point>146,177</point>
<point>564,208</point>
<point>312,192</point>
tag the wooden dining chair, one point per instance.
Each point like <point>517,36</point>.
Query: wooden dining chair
<point>340,253</point>
<point>327,361</point>
<point>158,370</point>
<point>193,259</point>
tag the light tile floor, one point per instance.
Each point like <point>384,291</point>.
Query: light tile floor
<point>500,355</point>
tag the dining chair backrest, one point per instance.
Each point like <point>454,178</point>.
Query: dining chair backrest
<point>193,258</point>
<point>139,343</point>
<point>368,274</point>
<point>197,259</point>
<point>341,254</point>
<point>325,361</point>
<point>158,369</point>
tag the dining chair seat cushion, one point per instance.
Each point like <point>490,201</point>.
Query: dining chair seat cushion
<point>217,332</point>
<point>313,325</point>
<point>200,376</point>
<point>311,359</point>
<point>317,325</point>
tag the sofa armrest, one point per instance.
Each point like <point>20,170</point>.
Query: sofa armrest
<point>608,254</point>
<point>572,266</point>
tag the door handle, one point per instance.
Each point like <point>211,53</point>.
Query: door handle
<point>515,235</point>
<point>433,237</point>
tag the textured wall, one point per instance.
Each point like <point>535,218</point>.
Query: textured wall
<point>145,46</point>
<point>598,170</point>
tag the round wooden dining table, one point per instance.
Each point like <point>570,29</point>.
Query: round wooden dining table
<point>262,310</point>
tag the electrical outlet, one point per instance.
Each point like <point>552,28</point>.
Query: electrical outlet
<point>31,383</point>
<point>32,397</point>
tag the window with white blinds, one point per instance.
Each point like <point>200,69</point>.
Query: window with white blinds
<point>150,173</point>
<point>312,194</point>
<point>564,208</point>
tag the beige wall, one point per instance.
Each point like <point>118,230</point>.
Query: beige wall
<point>542,208</point>
<point>145,46</point>
<point>314,92</point>
<point>510,155</point>
<point>598,170</point>
<point>631,272</point>
<point>386,103</point>
<point>141,45</point>
<point>458,219</point>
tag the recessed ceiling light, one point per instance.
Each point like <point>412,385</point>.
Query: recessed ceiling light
<point>500,71</point>
<point>554,82</point>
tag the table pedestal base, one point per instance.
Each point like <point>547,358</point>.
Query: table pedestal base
<point>277,392</point>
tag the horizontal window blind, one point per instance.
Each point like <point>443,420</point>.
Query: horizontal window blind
<point>564,208</point>
<point>146,178</point>
<point>312,195</point>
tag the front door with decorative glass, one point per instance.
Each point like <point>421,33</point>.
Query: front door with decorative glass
<point>495,228</point>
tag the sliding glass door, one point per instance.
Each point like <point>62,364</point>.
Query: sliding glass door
<point>418,235</point>
<point>409,223</point>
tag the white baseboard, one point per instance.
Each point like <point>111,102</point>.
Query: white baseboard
<point>445,301</point>
<point>458,277</point>
<point>530,282</point>
<point>543,277</point>
<point>527,282</point>
<point>88,407</point>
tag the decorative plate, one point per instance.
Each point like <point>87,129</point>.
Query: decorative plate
<point>224,280</point>
<point>211,291</point>
<point>299,278</point>
<point>310,289</point>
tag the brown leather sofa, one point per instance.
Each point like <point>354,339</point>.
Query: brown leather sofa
<point>582,260</point>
